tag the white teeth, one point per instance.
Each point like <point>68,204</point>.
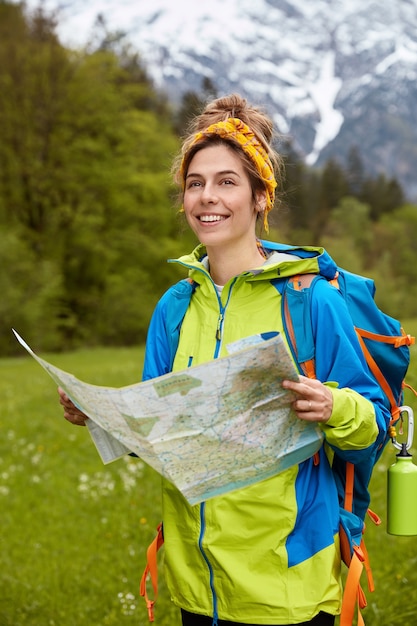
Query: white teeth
<point>211,218</point>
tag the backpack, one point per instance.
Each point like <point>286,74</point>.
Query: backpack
<point>385,346</point>
<point>386,349</point>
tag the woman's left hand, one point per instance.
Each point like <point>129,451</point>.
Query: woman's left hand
<point>314,401</point>
<point>71,413</point>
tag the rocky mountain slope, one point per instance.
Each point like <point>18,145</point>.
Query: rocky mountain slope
<point>334,74</point>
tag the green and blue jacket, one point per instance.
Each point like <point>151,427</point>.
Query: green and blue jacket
<point>268,553</point>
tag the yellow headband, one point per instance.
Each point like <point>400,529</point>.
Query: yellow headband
<point>240,133</point>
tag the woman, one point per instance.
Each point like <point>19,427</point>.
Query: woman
<point>268,553</point>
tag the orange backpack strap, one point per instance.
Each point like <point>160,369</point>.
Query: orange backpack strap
<point>397,342</point>
<point>151,569</point>
<point>407,386</point>
<point>361,334</point>
<point>367,566</point>
<point>353,595</point>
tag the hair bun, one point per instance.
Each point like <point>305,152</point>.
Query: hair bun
<point>235,105</point>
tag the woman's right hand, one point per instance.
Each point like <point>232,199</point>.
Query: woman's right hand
<point>71,413</point>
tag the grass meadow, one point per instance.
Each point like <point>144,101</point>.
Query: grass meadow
<point>74,533</point>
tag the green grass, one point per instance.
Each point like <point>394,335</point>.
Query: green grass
<point>74,532</point>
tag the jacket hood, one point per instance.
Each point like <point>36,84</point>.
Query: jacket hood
<point>282,261</point>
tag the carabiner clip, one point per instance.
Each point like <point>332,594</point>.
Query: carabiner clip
<point>410,429</point>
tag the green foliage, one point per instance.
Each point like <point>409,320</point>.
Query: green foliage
<point>347,234</point>
<point>396,245</point>
<point>385,251</point>
<point>85,149</point>
<point>311,193</point>
<point>28,288</point>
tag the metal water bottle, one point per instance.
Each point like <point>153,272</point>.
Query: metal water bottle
<point>402,486</point>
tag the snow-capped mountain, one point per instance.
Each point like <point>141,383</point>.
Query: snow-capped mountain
<point>333,73</point>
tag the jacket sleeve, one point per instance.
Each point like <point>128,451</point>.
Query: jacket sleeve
<point>359,420</point>
<point>164,329</point>
<point>157,358</point>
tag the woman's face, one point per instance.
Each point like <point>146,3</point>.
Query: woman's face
<point>218,199</point>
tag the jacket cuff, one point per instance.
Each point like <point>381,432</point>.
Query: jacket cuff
<point>352,424</point>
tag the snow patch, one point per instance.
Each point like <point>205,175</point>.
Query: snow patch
<point>323,93</point>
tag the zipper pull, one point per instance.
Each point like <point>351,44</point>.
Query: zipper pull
<point>219,327</point>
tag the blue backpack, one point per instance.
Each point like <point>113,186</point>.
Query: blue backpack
<point>386,349</point>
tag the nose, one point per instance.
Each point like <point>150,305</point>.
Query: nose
<point>208,194</point>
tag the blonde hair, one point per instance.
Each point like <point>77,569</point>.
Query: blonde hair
<point>220,110</point>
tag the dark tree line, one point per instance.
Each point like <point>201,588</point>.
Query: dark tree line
<point>310,194</point>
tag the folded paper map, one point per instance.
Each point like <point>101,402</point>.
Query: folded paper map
<point>210,429</point>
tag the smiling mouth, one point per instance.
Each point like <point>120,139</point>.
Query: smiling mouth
<point>212,218</point>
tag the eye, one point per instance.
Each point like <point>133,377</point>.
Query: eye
<point>193,183</point>
<point>228,181</point>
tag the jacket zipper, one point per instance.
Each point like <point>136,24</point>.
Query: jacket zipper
<point>220,320</point>
<point>210,569</point>
<point>219,336</point>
